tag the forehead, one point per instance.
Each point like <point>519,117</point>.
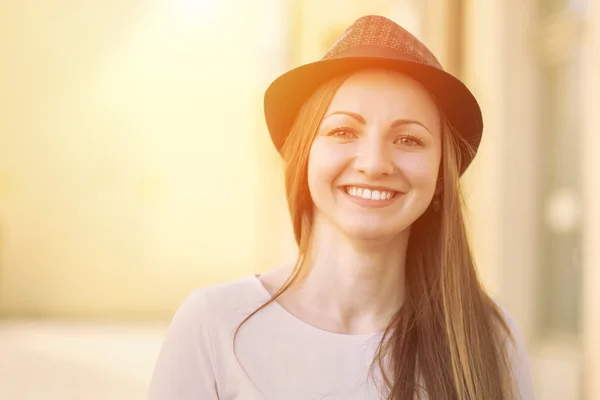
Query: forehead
<point>385,92</point>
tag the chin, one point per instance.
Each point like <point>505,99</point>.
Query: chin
<point>371,232</point>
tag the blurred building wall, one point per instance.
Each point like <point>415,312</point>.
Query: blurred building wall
<point>533,191</point>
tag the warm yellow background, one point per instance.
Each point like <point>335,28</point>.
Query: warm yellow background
<point>129,162</point>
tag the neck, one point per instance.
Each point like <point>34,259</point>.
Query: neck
<point>358,284</point>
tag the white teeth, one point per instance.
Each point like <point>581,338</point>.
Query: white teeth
<point>369,194</point>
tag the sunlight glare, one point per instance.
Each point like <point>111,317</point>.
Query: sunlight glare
<point>199,7</point>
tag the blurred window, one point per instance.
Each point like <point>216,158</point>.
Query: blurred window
<point>559,141</point>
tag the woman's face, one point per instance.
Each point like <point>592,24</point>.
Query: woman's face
<point>373,165</point>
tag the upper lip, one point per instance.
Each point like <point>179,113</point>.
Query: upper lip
<point>371,187</point>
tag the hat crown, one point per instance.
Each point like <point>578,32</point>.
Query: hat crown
<point>375,30</point>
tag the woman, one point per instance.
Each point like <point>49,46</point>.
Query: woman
<point>384,300</point>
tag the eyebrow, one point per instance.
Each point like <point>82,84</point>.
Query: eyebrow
<point>361,120</point>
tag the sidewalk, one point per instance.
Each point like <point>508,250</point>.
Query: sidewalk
<point>80,361</point>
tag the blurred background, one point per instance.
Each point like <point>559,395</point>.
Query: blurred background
<point>135,166</point>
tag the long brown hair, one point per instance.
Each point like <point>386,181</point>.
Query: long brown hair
<point>448,338</point>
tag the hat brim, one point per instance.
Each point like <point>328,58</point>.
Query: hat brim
<point>286,94</point>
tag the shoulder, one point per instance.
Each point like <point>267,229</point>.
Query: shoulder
<point>516,351</point>
<point>242,293</point>
<point>224,304</point>
<point>199,338</point>
<point>513,337</point>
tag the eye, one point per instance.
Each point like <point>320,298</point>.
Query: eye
<point>342,133</point>
<point>410,141</point>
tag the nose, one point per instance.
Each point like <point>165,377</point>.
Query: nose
<point>374,159</point>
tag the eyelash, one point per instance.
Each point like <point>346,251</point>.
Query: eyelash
<point>334,132</point>
<point>418,141</point>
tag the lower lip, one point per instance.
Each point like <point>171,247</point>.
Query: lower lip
<point>370,203</point>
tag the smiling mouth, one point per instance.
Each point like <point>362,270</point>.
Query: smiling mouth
<point>369,194</point>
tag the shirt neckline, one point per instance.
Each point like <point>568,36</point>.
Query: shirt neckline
<point>307,328</point>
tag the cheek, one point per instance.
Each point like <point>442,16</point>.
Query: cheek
<point>317,173</point>
<point>325,164</point>
<point>421,170</point>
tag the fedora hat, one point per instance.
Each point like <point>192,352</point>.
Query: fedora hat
<point>374,42</point>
